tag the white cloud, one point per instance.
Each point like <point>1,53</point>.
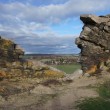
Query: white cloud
<point>29,24</point>
<point>52,12</point>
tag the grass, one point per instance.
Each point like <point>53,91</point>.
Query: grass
<point>68,68</point>
<point>100,103</point>
<point>104,90</point>
<point>94,104</point>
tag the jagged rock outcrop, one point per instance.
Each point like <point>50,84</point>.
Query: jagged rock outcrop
<point>94,42</point>
<point>13,65</point>
<point>9,50</point>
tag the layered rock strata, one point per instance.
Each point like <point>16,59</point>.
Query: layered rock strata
<point>9,50</point>
<point>94,42</point>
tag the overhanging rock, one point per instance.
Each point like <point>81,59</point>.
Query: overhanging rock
<point>94,42</point>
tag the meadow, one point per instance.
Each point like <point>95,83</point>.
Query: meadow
<point>68,68</point>
<point>67,63</point>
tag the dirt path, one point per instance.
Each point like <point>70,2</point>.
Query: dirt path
<point>28,94</point>
<point>69,94</point>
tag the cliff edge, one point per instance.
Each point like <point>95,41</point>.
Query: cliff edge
<point>94,42</point>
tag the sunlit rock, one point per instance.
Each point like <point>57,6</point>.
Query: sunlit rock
<point>94,42</point>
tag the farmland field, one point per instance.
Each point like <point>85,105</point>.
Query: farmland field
<point>67,63</point>
<point>67,68</point>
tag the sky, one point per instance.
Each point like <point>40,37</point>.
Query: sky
<point>47,26</point>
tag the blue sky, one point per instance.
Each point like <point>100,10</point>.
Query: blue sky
<point>47,26</point>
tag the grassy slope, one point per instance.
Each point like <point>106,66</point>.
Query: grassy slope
<point>68,68</point>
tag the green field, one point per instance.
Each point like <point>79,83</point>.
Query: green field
<point>68,68</point>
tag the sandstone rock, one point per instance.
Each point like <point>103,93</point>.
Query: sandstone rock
<point>92,19</point>
<point>12,65</point>
<point>87,75</point>
<point>94,42</point>
<point>8,50</point>
<point>2,75</point>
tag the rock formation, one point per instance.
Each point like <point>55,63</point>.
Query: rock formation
<point>9,50</point>
<point>13,65</point>
<point>94,42</point>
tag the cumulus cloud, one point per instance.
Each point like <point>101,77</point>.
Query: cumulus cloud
<point>56,44</point>
<point>52,12</point>
<point>47,42</point>
<point>29,22</point>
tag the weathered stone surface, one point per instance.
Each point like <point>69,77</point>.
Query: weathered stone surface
<point>92,19</point>
<point>89,19</point>
<point>94,42</point>
<point>9,50</point>
<point>13,65</point>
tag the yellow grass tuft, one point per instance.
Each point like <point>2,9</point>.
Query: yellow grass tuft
<point>49,74</point>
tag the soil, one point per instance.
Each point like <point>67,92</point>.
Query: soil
<point>47,94</point>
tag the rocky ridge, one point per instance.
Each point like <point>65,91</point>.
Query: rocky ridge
<point>12,65</point>
<point>94,42</point>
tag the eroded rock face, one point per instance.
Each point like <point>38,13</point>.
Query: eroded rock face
<point>94,42</point>
<point>12,65</point>
<point>9,50</point>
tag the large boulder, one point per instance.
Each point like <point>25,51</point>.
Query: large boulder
<point>94,42</point>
